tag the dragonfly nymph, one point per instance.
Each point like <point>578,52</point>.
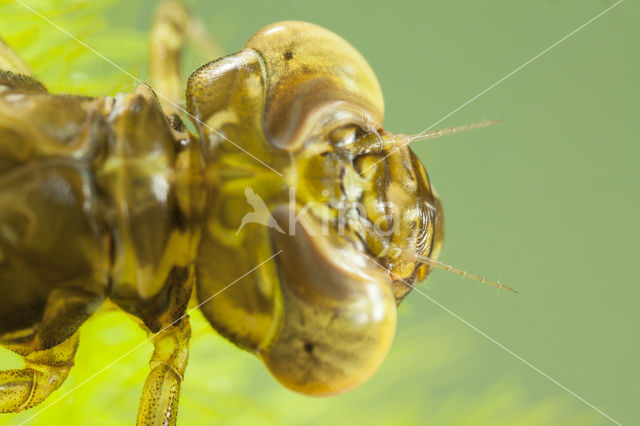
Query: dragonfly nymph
<point>292,217</point>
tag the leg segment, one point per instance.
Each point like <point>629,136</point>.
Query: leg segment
<point>44,372</point>
<point>10,61</point>
<point>159,402</point>
<point>172,26</point>
<point>15,73</point>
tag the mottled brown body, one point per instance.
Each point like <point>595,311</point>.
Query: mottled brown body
<point>89,211</point>
<point>110,198</point>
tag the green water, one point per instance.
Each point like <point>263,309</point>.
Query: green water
<point>547,202</point>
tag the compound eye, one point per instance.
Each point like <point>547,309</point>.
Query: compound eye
<point>313,77</point>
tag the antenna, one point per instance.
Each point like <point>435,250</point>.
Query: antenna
<point>422,136</point>
<point>440,265</point>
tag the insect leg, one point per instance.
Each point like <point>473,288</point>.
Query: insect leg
<point>15,73</point>
<point>159,401</point>
<point>173,25</point>
<point>44,372</point>
<point>10,61</point>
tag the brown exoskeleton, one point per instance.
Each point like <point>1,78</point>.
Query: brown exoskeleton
<point>112,198</point>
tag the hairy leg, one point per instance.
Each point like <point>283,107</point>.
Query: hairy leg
<point>173,26</point>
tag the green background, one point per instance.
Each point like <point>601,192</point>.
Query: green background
<point>546,202</point>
